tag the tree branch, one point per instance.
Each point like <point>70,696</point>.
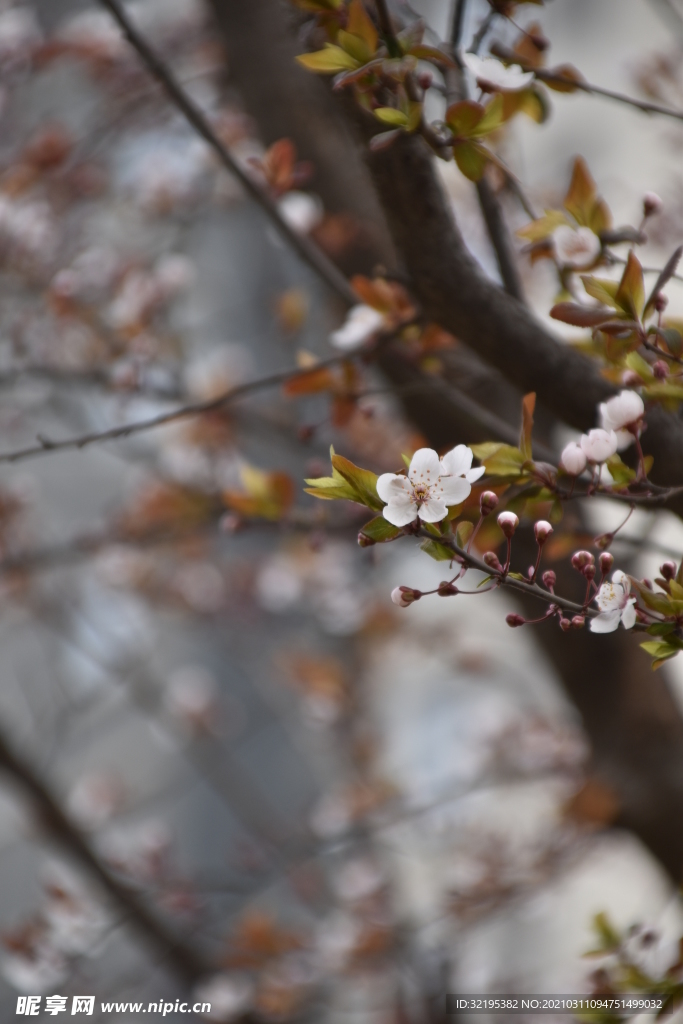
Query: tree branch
<point>184,958</point>
<point>307,250</point>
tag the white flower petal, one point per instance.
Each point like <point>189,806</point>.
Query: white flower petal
<point>610,596</point>
<point>392,487</point>
<point>457,461</point>
<point>474,474</point>
<point>424,467</point>
<point>491,71</point>
<point>605,622</point>
<point>451,490</point>
<point>578,247</point>
<point>628,615</point>
<point>433,511</point>
<point>400,513</point>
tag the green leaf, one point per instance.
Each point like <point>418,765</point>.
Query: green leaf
<point>361,24</point>
<point>493,118</point>
<point>328,61</point>
<point>363,481</point>
<point>660,650</point>
<point>486,579</point>
<point>431,54</point>
<point>631,292</point>
<point>463,117</point>
<point>661,628</point>
<point>439,552</point>
<point>500,459</point>
<point>390,115</point>
<point>356,46</point>
<point>463,533</point>
<point>471,159</point>
<point>603,290</point>
<point>380,530</point>
<point>620,472</point>
<point>608,935</point>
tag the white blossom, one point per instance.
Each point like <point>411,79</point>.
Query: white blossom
<point>228,995</point>
<point>620,412</point>
<point>360,325</point>
<point>490,72</point>
<point>575,247</point>
<point>599,445</point>
<point>301,211</point>
<point>425,492</point>
<point>615,605</point>
<point>458,463</point>
<point>573,459</point>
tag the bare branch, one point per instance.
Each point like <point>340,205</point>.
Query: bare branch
<point>138,426</point>
<point>307,250</point>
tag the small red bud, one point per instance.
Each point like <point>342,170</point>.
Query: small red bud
<point>651,204</point>
<point>513,619</point>
<point>660,369</point>
<point>630,379</point>
<point>565,624</point>
<point>660,303</point>
<point>446,589</point>
<point>606,562</point>
<point>589,572</point>
<point>487,502</point>
<point>492,560</point>
<point>549,579</point>
<point>580,559</point>
<point>668,570</point>
<point>425,80</point>
<point>578,622</point>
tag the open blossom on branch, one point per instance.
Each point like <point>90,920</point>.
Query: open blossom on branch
<point>428,490</point>
<point>360,325</point>
<point>490,72</point>
<point>301,211</point>
<point>575,247</point>
<point>621,412</point>
<point>615,605</point>
<point>599,445</point>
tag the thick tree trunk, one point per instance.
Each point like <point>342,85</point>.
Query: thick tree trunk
<point>631,719</point>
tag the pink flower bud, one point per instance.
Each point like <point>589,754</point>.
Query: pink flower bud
<point>530,572</point>
<point>573,459</point>
<point>403,596</point>
<point>578,622</point>
<point>606,562</point>
<point>513,619</point>
<point>661,302</point>
<point>565,624</point>
<point>365,542</point>
<point>542,531</point>
<point>660,369</point>
<point>508,523</point>
<point>589,572</point>
<point>651,204</point>
<point>580,559</point>
<point>487,502</point>
<point>549,579</point>
<point>668,570</point>
<point>425,80</point>
<point>492,560</point>
<point>446,589</point>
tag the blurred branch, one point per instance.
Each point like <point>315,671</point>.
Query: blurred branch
<point>184,958</point>
<point>46,445</point>
<point>307,250</point>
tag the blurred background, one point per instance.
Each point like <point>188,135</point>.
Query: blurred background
<point>341,808</point>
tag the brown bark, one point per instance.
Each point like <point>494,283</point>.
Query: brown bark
<point>629,714</point>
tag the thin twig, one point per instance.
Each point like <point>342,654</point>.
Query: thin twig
<point>646,106</point>
<point>308,250</point>
<point>138,426</point>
